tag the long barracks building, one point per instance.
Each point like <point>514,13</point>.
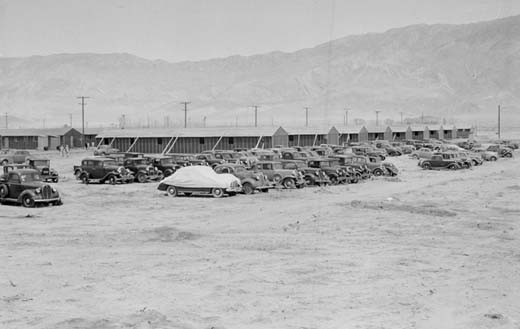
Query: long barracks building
<point>195,140</point>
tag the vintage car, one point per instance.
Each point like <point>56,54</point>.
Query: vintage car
<point>464,162</point>
<point>163,163</point>
<point>475,158</point>
<point>185,159</point>
<point>210,159</point>
<point>422,153</point>
<point>312,176</point>
<point>279,176</point>
<point>102,170</point>
<point>332,168</point>
<point>143,172</point>
<point>485,154</point>
<point>390,150</point>
<point>368,150</point>
<point>26,187</point>
<point>438,161</point>
<point>250,180</point>
<point>502,151</point>
<point>20,156</point>
<point>103,150</point>
<point>44,167</point>
<point>374,165</point>
<point>200,180</point>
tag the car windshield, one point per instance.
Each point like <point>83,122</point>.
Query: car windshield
<point>138,161</point>
<point>41,163</point>
<point>30,177</point>
<point>239,170</point>
<point>109,163</point>
<point>277,166</point>
<point>166,161</point>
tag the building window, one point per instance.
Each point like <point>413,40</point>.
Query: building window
<point>291,138</point>
<point>231,141</point>
<point>132,140</point>
<point>202,141</point>
<point>107,141</point>
<point>159,141</point>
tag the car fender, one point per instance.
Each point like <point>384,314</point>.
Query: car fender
<point>24,193</point>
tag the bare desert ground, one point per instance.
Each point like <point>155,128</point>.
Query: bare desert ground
<point>430,249</point>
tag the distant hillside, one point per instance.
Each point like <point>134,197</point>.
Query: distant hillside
<point>449,71</point>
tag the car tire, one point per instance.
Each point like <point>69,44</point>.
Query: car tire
<point>112,180</point>
<point>493,158</point>
<point>415,156</point>
<point>5,163</point>
<point>55,179</point>
<point>508,155</point>
<point>248,188</point>
<point>141,177</point>
<point>334,180</point>
<point>84,178</point>
<point>217,192</point>
<point>378,172</point>
<point>452,167</point>
<point>172,190</point>
<point>475,163</point>
<point>277,179</point>
<point>309,181</point>
<point>28,201</point>
<point>289,183</point>
<point>426,166</point>
<point>4,191</point>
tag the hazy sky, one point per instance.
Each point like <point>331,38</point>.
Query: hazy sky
<point>177,30</point>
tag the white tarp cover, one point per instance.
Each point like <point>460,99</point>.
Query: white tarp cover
<point>199,176</point>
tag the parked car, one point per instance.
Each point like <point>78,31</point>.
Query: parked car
<point>143,172</point>
<point>183,159</point>
<point>360,161</point>
<point>163,163</point>
<point>279,176</point>
<point>210,159</point>
<point>437,161</point>
<point>25,186</point>
<point>102,170</point>
<point>332,168</point>
<point>200,180</point>
<point>422,153</point>
<point>368,150</point>
<point>103,150</point>
<point>250,180</point>
<point>476,159</point>
<point>485,154</point>
<point>312,176</point>
<point>502,151</point>
<point>43,165</point>
<point>20,156</point>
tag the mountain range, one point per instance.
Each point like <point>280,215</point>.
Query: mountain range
<point>454,72</point>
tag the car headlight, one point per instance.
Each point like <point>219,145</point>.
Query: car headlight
<point>317,173</point>
<point>38,190</point>
<point>53,190</point>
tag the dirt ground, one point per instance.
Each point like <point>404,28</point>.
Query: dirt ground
<point>430,249</point>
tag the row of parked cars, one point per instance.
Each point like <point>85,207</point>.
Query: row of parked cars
<point>255,169</point>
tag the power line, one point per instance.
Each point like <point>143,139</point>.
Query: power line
<point>185,113</point>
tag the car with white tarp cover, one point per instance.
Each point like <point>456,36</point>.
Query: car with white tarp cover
<point>200,180</point>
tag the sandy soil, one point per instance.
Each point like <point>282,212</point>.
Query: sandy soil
<point>428,250</point>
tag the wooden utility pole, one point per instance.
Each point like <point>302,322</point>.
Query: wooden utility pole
<point>499,121</point>
<point>185,113</point>
<point>6,124</point>
<point>82,118</point>
<point>346,116</point>
<point>306,116</point>
<point>401,117</point>
<point>377,118</point>
<point>256,114</point>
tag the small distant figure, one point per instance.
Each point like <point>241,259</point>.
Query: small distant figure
<point>86,146</point>
<point>62,151</point>
<point>67,150</point>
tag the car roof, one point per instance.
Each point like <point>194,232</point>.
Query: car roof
<point>98,158</point>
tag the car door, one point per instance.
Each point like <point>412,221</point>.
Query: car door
<point>437,161</point>
<point>15,185</point>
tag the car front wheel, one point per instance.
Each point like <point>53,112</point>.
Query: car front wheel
<point>378,172</point>
<point>28,201</point>
<point>172,190</point>
<point>217,192</point>
<point>426,166</point>
<point>4,191</point>
<point>248,188</point>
